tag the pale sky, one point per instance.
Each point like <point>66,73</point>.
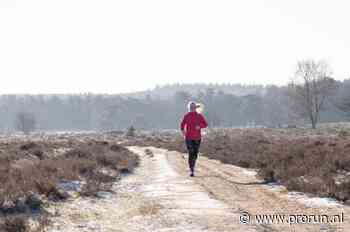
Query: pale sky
<point>109,46</point>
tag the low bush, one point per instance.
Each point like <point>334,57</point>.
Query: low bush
<point>16,223</point>
<point>29,174</point>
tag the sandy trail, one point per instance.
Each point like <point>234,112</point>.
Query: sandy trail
<point>154,198</point>
<point>186,201</point>
<point>159,196</point>
<point>242,190</point>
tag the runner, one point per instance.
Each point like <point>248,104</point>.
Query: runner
<point>191,126</point>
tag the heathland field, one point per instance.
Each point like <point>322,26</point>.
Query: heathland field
<point>312,161</point>
<point>139,181</point>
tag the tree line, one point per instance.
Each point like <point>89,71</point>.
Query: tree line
<point>312,96</point>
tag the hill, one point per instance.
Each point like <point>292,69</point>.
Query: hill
<point>168,91</point>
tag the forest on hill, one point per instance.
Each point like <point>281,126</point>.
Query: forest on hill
<point>162,108</point>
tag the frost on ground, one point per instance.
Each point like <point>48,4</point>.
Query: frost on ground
<point>154,198</point>
<point>306,199</point>
<point>159,196</point>
<point>314,201</point>
<point>241,190</point>
<point>36,171</point>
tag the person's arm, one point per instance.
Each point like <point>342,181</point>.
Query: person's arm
<point>182,125</point>
<point>203,123</point>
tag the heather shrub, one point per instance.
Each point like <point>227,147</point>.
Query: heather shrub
<point>32,171</point>
<point>317,163</point>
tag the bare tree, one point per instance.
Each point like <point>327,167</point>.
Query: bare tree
<point>310,87</point>
<point>25,122</point>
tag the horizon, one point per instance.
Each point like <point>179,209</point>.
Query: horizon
<point>154,88</point>
<point>147,90</point>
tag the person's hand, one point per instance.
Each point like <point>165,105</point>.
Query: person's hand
<point>183,133</point>
<point>198,127</point>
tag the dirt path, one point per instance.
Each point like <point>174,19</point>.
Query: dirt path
<point>160,196</point>
<point>242,190</point>
<point>185,201</point>
<point>154,198</point>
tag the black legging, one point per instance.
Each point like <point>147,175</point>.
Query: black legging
<point>193,150</point>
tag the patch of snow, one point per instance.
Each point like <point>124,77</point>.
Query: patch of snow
<point>68,186</point>
<point>104,195</point>
<point>276,187</point>
<point>314,201</point>
<point>249,172</point>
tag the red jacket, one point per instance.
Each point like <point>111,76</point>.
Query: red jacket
<point>189,123</point>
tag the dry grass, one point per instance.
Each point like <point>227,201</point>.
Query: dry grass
<point>316,162</point>
<point>31,173</point>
